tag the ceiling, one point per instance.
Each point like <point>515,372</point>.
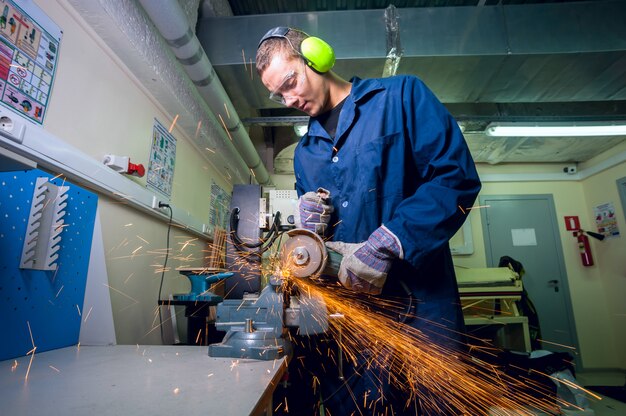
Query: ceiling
<point>486,60</point>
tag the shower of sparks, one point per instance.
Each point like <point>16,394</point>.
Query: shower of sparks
<point>409,359</point>
<point>478,207</point>
<point>88,313</point>
<point>121,293</point>
<point>233,364</point>
<point>14,366</point>
<point>558,345</point>
<point>31,352</point>
<point>173,124</point>
<point>58,176</point>
<point>462,210</point>
<point>187,243</point>
<point>225,128</point>
<point>143,239</point>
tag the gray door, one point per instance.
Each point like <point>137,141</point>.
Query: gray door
<point>524,227</point>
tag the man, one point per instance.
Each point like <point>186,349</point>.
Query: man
<point>400,179</point>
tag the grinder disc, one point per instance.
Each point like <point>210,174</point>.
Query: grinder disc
<point>304,254</point>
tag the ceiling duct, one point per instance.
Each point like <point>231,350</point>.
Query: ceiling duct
<point>170,20</point>
<point>126,29</point>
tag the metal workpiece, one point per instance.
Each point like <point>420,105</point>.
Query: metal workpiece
<point>308,313</point>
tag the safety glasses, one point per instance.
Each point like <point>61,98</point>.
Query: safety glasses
<point>291,81</point>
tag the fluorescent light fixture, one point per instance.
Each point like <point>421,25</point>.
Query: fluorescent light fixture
<point>555,129</point>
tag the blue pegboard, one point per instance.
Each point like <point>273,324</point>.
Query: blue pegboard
<point>51,302</point>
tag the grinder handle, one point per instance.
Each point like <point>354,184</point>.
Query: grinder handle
<point>332,263</point>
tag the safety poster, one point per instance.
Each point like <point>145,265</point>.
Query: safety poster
<point>219,208</point>
<point>29,46</point>
<point>162,160</point>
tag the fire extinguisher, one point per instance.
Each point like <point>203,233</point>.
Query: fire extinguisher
<point>584,247</point>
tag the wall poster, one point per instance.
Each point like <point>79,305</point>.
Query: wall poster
<point>29,47</point>
<point>219,208</point>
<point>606,222</point>
<point>162,160</point>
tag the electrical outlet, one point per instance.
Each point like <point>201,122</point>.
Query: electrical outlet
<point>155,202</point>
<point>12,126</point>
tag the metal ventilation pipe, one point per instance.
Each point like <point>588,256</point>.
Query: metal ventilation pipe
<point>169,19</point>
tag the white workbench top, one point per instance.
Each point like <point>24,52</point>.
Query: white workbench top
<point>133,380</point>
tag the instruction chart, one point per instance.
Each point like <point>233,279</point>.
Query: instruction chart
<point>219,208</point>
<point>162,160</point>
<point>29,45</point>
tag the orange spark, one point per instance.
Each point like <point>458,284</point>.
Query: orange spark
<point>225,128</point>
<point>173,124</point>
<point>88,313</point>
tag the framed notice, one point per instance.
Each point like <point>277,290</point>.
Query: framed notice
<point>162,160</point>
<point>606,222</point>
<point>29,48</point>
<point>219,206</point>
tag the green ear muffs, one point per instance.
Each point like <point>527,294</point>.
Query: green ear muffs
<point>318,54</point>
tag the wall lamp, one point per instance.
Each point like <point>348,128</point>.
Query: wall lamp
<point>555,129</point>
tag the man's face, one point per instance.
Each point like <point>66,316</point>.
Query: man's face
<point>292,84</point>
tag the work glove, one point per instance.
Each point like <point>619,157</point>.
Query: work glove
<point>313,211</point>
<point>364,266</point>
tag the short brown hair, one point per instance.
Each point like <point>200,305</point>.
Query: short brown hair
<point>289,45</point>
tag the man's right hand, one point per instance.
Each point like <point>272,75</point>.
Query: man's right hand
<point>314,211</point>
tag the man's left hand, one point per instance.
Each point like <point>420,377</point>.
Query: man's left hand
<point>365,265</point>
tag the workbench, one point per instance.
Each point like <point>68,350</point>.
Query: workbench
<point>137,380</point>
<point>489,298</point>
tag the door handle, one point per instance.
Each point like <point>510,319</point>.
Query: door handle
<point>554,283</point>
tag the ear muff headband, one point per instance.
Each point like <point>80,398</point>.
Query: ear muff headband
<point>318,54</point>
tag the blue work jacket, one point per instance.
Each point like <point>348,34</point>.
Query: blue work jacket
<point>399,159</point>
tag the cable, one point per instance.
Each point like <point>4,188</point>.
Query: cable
<point>167,252</point>
<point>264,244</point>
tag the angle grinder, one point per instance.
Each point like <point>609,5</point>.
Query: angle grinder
<point>304,254</point>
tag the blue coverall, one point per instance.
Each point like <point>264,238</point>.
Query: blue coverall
<point>399,159</point>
